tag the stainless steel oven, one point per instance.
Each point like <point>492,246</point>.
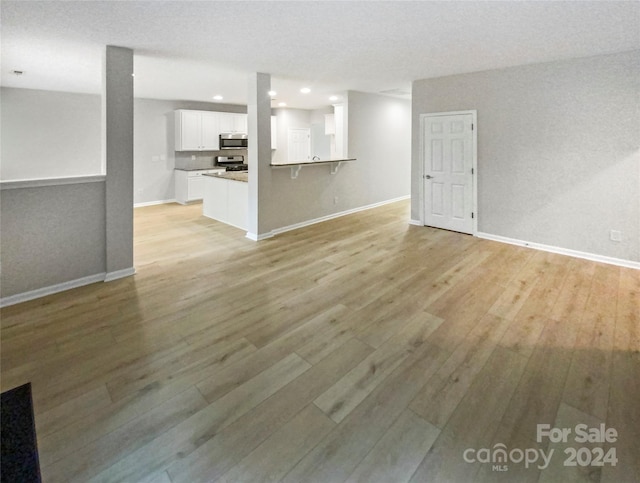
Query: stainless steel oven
<point>232,163</point>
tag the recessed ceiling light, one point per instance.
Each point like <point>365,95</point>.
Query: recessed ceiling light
<point>333,98</point>
<point>282,104</point>
<point>218,98</point>
<point>305,90</point>
<point>272,93</point>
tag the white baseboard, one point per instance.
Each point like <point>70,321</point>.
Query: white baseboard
<point>562,251</point>
<point>152,203</point>
<point>51,289</point>
<point>295,226</point>
<point>262,236</point>
<point>416,222</point>
<point>126,272</point>
<point>61,287</point>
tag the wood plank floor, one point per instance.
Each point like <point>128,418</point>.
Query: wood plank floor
<point>360,349</point>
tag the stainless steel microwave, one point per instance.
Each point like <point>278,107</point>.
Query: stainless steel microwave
<point>233,140</point>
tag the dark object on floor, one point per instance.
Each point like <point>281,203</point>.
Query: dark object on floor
<point>19,456</point>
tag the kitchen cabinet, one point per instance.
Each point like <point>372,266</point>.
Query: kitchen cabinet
<point>196,131</point>
<point>329,124</point>
<point>226,200</point>
<point>190,185</point>
<point>340,141</point>
<point>232,122</point>
<point>274,132</point>
<point>335,125</point>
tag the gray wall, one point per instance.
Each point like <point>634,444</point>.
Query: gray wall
<point>380,139</point>
<point>558,150</point>
<point>51,235</point>
<point>49,134</point>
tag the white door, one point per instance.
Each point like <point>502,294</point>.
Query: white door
<point>448,161</point>
<point>299,145</point>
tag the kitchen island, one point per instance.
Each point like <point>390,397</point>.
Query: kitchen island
<point>226,198</point>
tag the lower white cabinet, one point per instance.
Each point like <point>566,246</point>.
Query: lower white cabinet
<point>190,185</point>
<point>226,200</point>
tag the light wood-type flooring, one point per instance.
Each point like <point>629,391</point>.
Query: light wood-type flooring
<point>359,349</point>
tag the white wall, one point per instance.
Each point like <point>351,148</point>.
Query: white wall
<point>49,134</point>
<point>558,150</point>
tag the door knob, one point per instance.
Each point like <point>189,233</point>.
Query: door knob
<point>428,176</point>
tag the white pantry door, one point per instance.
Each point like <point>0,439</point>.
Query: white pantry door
<point>448,167</point>
<point>299,145</point>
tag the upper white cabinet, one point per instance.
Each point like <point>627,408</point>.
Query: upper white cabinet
<point>335,125</point>
<point>274,132</point>
<point>210,131</point>
<point>232,122</point>
<point>197,131</point>
<point>340,137</point>
<point>329,124</point>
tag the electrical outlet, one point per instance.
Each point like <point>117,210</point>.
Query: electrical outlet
<point>615,235</point>
<point>193,157</point>
<point>335,200</point>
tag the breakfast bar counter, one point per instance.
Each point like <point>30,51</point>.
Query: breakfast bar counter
<point>296,166</point>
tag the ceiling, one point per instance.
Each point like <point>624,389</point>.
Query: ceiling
<point>188,50</point>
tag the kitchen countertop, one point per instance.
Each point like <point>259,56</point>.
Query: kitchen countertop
<point>198,169</point>
<point>233,175</point>
<point>309,161</point>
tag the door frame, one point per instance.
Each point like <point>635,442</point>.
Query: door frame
<point>474,160</point>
